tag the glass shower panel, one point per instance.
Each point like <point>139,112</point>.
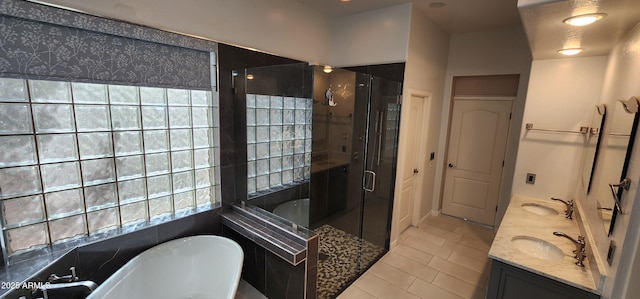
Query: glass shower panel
<point>321,152</point>
<point>278,99</point>
<point>380,169</point>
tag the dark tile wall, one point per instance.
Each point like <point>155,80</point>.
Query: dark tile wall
<point>282,279</point>
<point>273,276</point>
<point>311,278</point>
<point>329,189</point>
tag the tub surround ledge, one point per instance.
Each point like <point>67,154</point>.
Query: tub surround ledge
<point>281,260</point>
<point>520,222</point>
<point>273,235</point>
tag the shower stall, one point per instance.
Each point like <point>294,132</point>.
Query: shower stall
<point>321,152</point>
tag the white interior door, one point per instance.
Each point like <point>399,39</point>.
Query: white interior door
<point>411,163</point>
<point>475,157</point>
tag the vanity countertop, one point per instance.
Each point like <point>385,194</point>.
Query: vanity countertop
<point>519,222</point>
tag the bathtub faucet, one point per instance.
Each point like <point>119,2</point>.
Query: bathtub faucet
<point>53,278</point>
<point>66,283</point>
<point>86,287</point>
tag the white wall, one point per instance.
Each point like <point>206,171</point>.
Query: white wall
<point>424,71</point>
<point>379,36</point>
<point>620,83</point>
<point>562,95</point>
<point>497,52</point>
<point>283,27</point>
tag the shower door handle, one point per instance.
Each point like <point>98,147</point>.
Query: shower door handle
<point>373,181</point>
<point>380,136</point>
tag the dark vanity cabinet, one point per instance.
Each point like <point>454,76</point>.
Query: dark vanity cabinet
<point>509,282</point>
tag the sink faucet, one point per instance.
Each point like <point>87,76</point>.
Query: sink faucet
<point>580,247</point>
<point>569,212</point>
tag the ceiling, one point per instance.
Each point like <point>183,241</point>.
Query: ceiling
<point>542,19</point>
<point>457,16</point>
<point>546,32</point>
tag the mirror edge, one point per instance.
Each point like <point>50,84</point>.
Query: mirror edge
<point>630,106</point>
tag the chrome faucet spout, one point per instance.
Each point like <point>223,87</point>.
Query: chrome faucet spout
<point>562,200</point>
<point>53,278</point>
<point>561,234</point>
<point>580,247</point>
<point>570,206</point>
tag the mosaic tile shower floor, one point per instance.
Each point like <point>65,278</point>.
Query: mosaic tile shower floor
<point>342,257</point>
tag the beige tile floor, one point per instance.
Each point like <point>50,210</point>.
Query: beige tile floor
<point>443,258</point>
<point>247,291</point>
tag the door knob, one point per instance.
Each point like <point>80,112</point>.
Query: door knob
<point>415,170</point>
<point>451,165</point>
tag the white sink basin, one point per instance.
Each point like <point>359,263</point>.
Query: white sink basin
<point>537,248</point>
<point>539,209</point>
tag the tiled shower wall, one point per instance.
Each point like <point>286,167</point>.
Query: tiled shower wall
<point>77,159</point>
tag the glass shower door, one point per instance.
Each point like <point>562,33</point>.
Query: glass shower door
<point>379,170</point>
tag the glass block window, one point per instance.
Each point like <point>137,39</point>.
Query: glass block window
<point>391,130</point>
<point>77,159</point>
<point>278,141</point>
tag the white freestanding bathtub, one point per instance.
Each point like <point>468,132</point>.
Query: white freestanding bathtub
<point>191,267</point>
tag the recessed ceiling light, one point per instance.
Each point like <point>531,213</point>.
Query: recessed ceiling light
<point>570,51</point>
<point>345,0</point>
<point>249,77</point>
<point>584,20</point>
<point>327,69</point>
<point>437,4</point>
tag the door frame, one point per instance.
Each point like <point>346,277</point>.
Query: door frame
<point>513,100</point>
<point>422,156</point>
<point>407,97</point>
